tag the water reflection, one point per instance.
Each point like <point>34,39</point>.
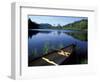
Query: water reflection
<point>78,35</point>
<point>44,41</point>
<point>35,32</point>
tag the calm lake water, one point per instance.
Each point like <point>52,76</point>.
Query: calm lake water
<point>40,40</point>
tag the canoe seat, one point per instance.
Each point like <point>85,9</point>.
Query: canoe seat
<point>64,53</point>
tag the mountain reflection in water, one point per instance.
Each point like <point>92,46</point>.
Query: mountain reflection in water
<point>41,41</point>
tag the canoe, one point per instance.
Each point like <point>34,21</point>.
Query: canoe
<point>55,57</point>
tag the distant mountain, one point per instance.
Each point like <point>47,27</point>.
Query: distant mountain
<point>45,26</point>
<point>77,25</point>
<point>32,25</point>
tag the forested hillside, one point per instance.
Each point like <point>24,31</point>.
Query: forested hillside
<point>78,25</point>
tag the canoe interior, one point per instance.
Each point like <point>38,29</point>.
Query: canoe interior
<point>53,58</point>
